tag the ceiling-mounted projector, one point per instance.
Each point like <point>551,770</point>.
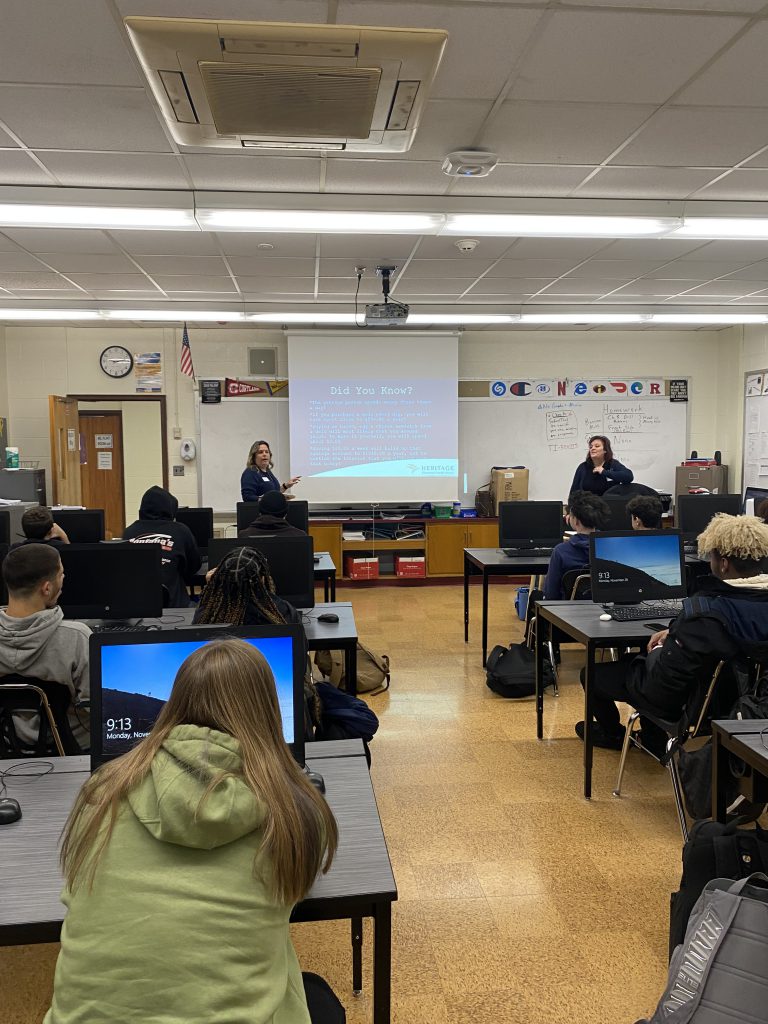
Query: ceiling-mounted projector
<point>385,314</point>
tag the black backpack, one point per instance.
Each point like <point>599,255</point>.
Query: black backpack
<point>511,671</point>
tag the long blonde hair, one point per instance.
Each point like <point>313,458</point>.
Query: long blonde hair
<point>225,685</point>
<point>250,464</point>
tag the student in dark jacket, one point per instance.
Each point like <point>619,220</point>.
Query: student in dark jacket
<point>157,525</point>
<point>271,521</point>
<point>39,528</point>
<point>241,592</point>
<point>600,470</point>
<point>727,618</point>
<point>586,514</point>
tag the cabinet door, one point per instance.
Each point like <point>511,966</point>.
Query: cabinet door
<point>327,537</point>
<point>445,548</point>
<point>482,533</point>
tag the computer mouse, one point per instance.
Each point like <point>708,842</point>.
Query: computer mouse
<point>605,617</point>
<point>328,617</point>
<point>317,780</point>
<point>10,811</point>
<point>316,559</point>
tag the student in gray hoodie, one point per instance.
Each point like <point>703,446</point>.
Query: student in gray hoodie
<point>34,638</point>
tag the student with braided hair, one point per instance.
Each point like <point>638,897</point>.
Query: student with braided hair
<point>241,592</point>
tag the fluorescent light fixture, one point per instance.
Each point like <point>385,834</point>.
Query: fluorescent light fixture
<point>174,315</point>
<point>709,318</point>
<point>722,227</point>
<point>319,221</point>
<point>106,217</point>
<point>513,225</point>
<point>582,318</point>
<point>50,314</point>
<point>288,317</point>
<point>462,318</point>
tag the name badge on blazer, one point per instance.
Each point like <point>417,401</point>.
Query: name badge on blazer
<point>265,479</point>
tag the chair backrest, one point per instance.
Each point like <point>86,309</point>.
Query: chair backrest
<point>630,490</point>
<point>50,700</point>
<point>576,585</point>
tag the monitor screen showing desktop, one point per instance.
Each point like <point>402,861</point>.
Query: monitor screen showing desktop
<point>200,523</point>
<point>111,581</point>
<point>694,511</point>
<point>530,524</point>
<point>297,514</point>
<point>755,495</point>
<point>82,526</point>
<point>645,565</point>
<point>132,675</point>
<point>291,563</point>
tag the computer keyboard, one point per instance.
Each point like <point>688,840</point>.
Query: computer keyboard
<point>646,610</point>
<point>522,552</point>
<point>120,627</point>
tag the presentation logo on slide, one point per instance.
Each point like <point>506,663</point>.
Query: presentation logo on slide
<point>520,388</point>
<point>498,388</point>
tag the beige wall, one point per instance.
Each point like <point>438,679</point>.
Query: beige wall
<point>3,383</point>
<point>43,360</point>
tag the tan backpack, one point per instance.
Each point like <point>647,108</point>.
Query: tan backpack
<point>372,669</point>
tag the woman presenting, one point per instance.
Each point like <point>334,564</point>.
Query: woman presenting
<point>600,470</point>
<point>258,477</point>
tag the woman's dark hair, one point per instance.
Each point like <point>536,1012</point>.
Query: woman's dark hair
<point>647,509</point>
<point>590,510</point>
<point>606,446</point>
<point>242,580</point>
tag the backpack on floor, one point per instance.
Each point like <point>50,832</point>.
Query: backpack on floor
<point>343,717</point>
<point>718,972</point>
<point>511,671</point>
<point>372,669</point>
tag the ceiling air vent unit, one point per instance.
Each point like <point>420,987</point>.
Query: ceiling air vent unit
<point>255,85</point>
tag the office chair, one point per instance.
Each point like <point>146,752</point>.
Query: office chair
<point>630,491</point>
<point>679,732</point>
<point>51,702</point>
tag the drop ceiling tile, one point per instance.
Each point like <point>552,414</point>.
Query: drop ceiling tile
<point>483,46</point>
<point>524,180</point>
<point>631,58</point>
<point>48,293</point>
<point>556,248</point>
<point>739,78</point>
<point>17,261</point>
<point>695,300</point>
<point>561,133</point>
<point>387,176</point>
<point>613,182</point>
<point>445,248</point>
<point>237,243</point>
<point>105,281</point>
<point>578,286</point>
<point>254,172</point>
<point>167,243</point>
<point>743,252</point>
<point>272,266</point>
<point>699,137</point>
<point>430,286</point>
<point>718,6</point>
<point>693,270</point>
<point>613,270</point>
<point>115,170</point>
<point>89,263</point>
<point>34,280</point>
<point>549,269</point>
<point>44,42</point>
<point>286,286</point>
<point>195,295</point>
<point>517,286</point>
<point>18,168</point>
<point>47,240</point>
<point>455,269</point>
<point>723,289</point>
<point>344,287</point>
<point>209,266</point>
<point>662,249</point>
<point>305,11</point>
<point>649,289</point>
<point>755,272</point>
<point>190,283</point>
<point>69,117</point>
<point>381,248</point>
<point>739,184</point>
<point>287,295</point>
<point>761,160</point>
<point>7,141</point>
<point>753,300</point>
<point>340,268</point>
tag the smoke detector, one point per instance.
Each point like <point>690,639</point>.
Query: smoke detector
<point>466,245</point>
<point>469,163</point>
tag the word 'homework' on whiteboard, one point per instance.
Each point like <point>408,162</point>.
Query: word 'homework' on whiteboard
<point>550,438</point>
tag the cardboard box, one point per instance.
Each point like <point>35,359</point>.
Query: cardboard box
<point>361,568</point>
<point>410,566</point>
<point>508,485</point>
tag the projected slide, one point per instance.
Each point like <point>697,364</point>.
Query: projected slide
<point>359,432</point>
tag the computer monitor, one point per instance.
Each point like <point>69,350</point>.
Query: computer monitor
<point>530,524</point>
<point>82,526</point>
<point>291,563</point>
<point>5,527</point>
<point>644,565</point>
<point>111,581</point>
<point>755,495</point>
<point>200,523</point>
<point>619,518</point>
<point>694,511</point>
<point>297,514</point>
<point>131,676</point>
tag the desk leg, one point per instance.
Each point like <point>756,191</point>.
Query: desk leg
<point>466,600</point>
<point>719,777</point>
<point>357,955</point>
<point>589,679</point>
<point>382,962</point>
<point>325,589</point>
<point>485,617</point>
<point>333,586</point>
<point>350,669</point>
<point>539,648</point>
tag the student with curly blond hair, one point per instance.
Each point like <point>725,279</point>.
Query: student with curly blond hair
<point>727,618</point>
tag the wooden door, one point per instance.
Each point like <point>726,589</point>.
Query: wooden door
<point>327,537</point>
<point>445,547</point>
<point>102,471</point>
<point>65,450</point>
<point>482,533</point>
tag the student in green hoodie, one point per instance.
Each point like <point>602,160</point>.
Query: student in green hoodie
<point>184,858</point>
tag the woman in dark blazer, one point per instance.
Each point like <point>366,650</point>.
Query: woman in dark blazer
<point>257,477</point>
<point>600,470</point>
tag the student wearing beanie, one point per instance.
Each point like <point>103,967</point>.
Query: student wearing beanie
<point>271,521</point>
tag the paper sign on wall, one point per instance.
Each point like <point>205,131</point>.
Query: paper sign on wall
<point>103,440</point>
<point>71,439</point>
<point>104,460</point>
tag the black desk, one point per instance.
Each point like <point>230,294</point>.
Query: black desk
<point>493,562</point>
<point>743,740</point>
<point>359,884</point>
<point>581,621</point>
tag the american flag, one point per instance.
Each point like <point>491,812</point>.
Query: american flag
<point>186,356</point>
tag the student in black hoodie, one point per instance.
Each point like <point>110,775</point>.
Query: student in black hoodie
<point>157,525</point>
<point>271,521</point>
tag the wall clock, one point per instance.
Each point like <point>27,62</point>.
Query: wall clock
<point>116,361</point>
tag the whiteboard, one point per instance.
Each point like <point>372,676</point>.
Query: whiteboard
<point>227,429</point>
<point>755,465</point>
<point>550,437</point>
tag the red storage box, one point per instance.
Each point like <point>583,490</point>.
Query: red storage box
<point>361,568</point>
<point>410,566</point>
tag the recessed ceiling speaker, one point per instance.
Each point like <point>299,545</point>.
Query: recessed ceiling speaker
<point>469,163</point>
<point>262,362</point>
